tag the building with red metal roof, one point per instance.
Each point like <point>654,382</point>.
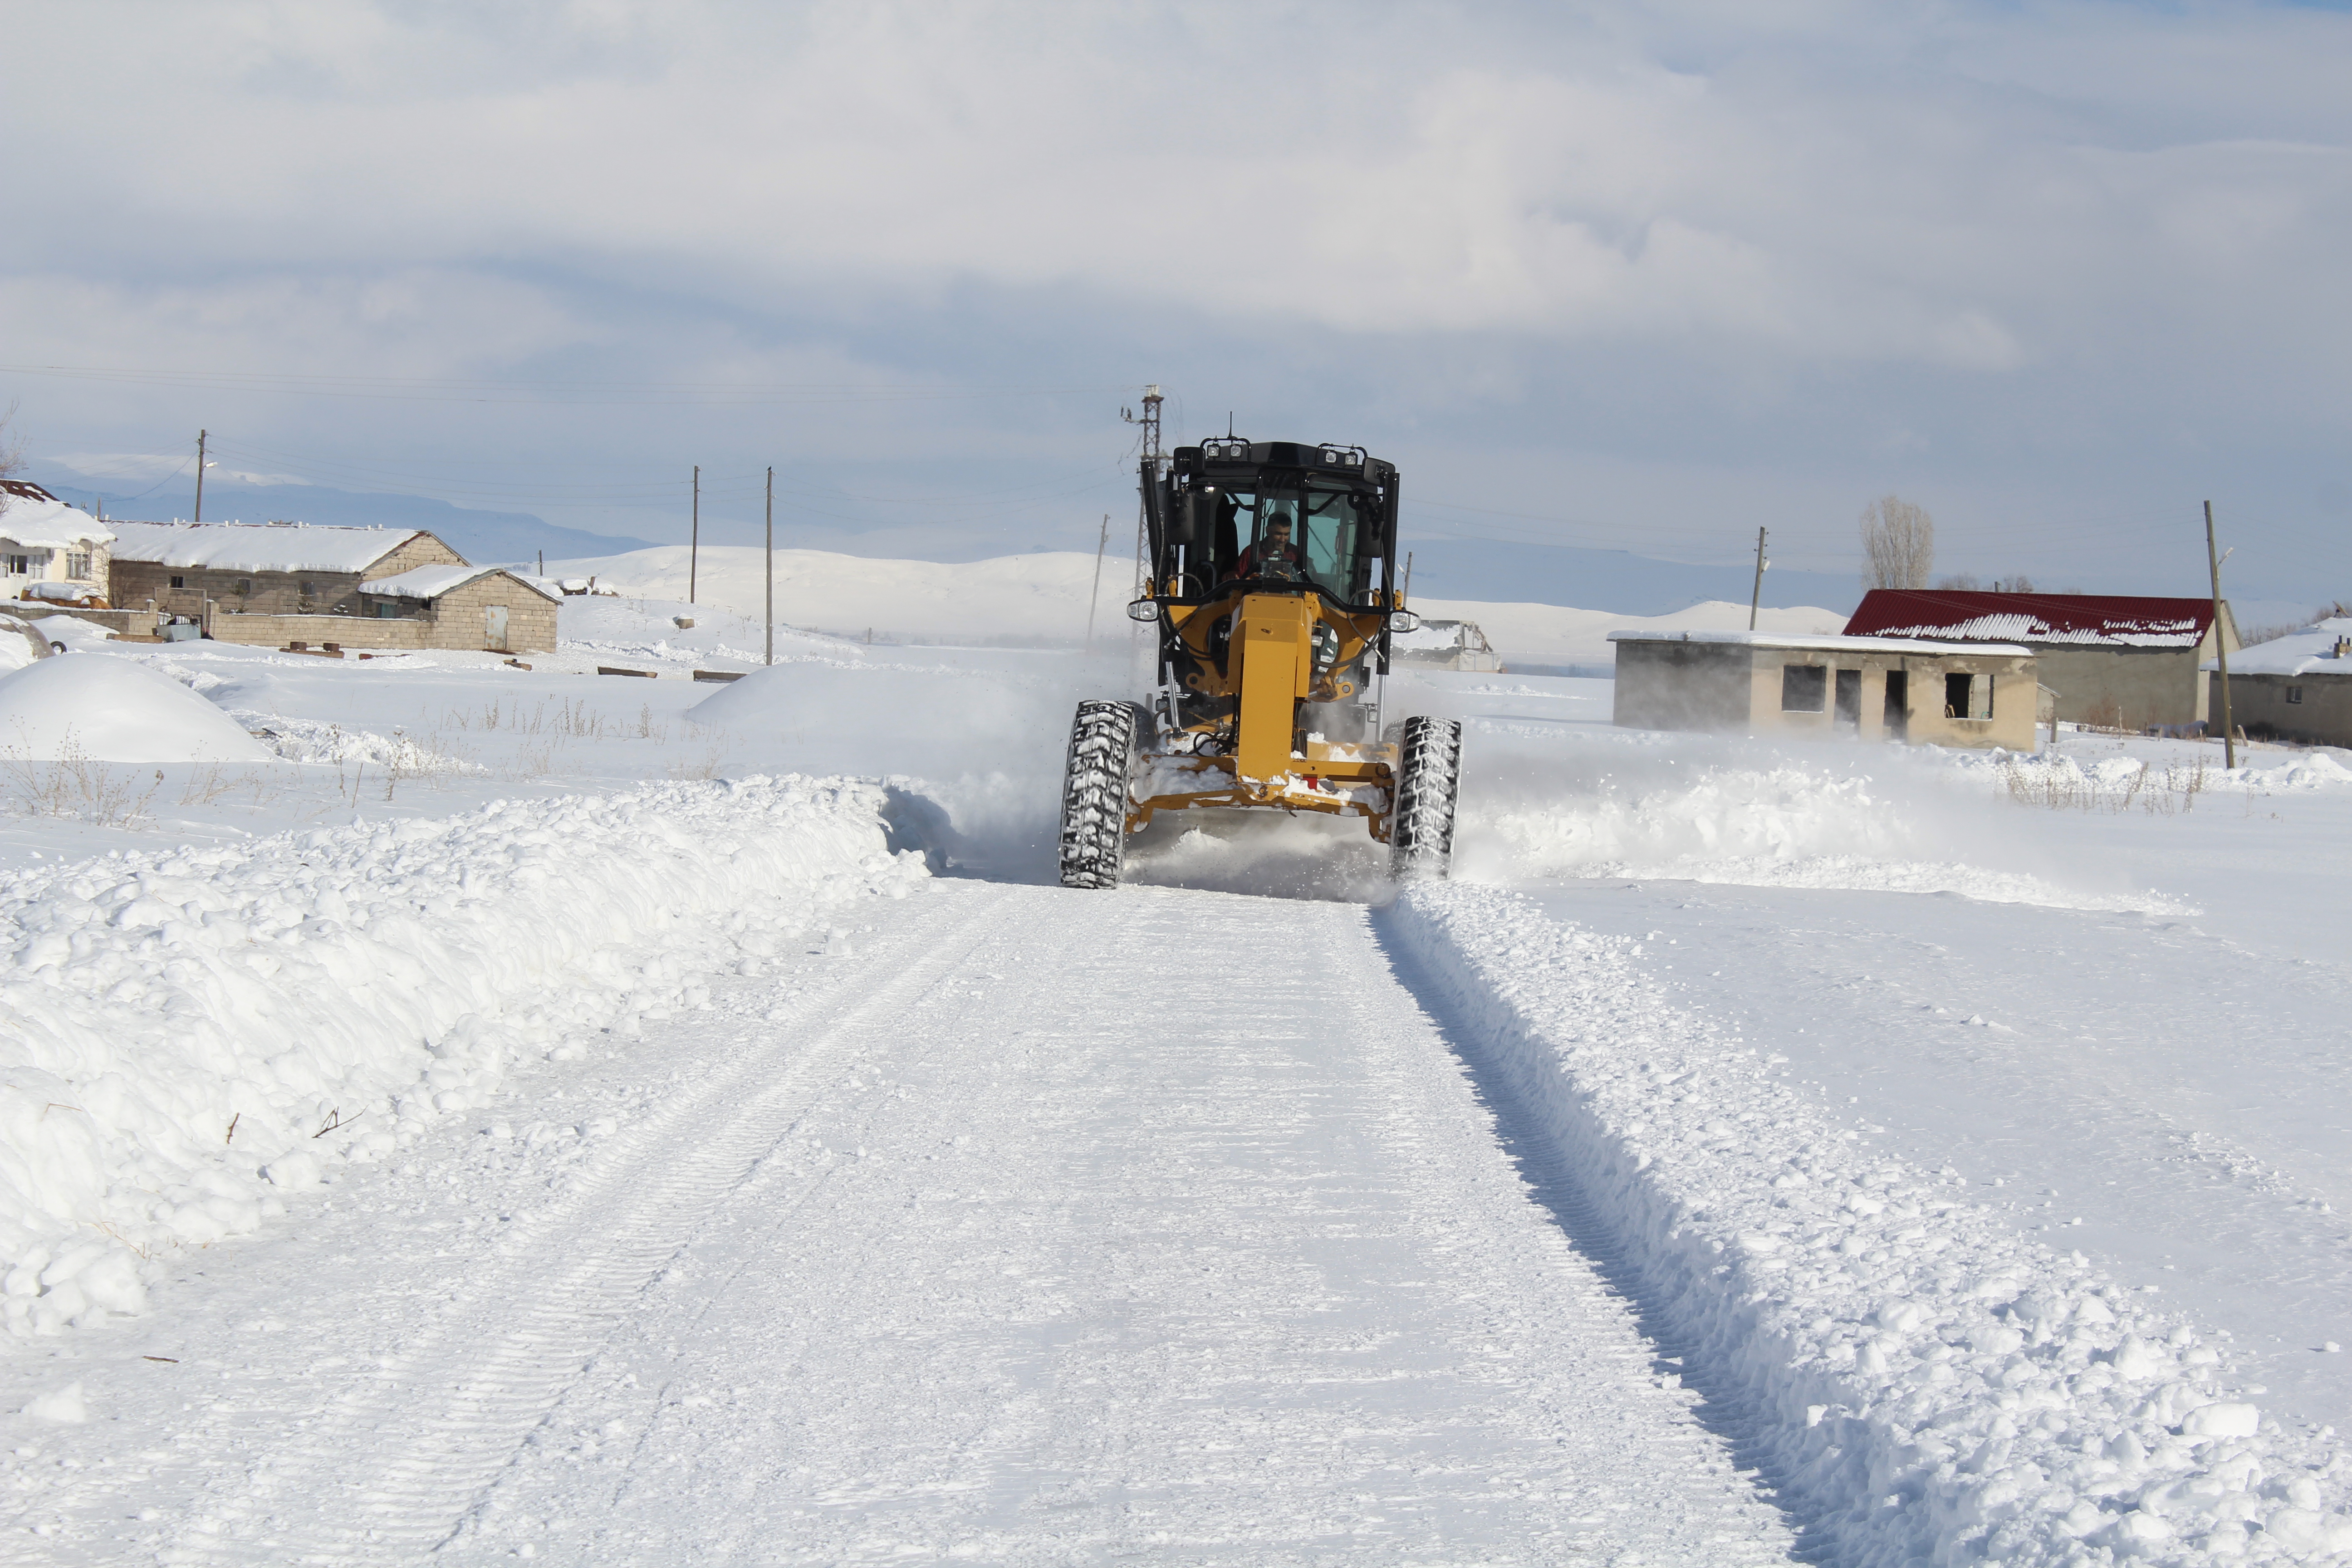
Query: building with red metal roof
<point>2117,660</point>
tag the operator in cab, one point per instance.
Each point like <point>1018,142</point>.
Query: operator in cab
<point>1272,556</point>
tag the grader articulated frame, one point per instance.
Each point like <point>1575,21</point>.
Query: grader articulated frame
<point>1272,586</point>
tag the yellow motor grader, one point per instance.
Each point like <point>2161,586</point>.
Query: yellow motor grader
<point>1273,585</point>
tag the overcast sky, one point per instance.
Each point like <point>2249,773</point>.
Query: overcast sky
<point>1642,277</point>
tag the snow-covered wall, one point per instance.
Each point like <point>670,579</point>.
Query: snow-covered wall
<point>1922,1385</point>
<point>191,1031</point>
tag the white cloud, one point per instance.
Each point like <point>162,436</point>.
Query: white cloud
<point>1836,230</point>
<point>1396,169</point>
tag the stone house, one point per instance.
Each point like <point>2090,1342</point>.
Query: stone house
<point>282,583</point>
<point>50,550</point>
<point>2119,661</point>
<point>262,568</point>
<point>2294,688</point>
<point>1871,688</point>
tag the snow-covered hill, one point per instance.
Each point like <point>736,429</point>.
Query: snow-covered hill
<point>1041,600</point>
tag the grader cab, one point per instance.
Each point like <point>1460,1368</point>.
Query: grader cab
<point>1273,587</point>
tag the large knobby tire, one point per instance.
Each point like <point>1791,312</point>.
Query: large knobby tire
<point>1421,828</point>
<point>1093,795</point>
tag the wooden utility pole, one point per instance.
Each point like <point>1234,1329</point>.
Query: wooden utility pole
<point>201,438</point>
<point>1101,545</point>
<point>1756,597</point>
<point>694,540</point>
<point>2220,647</point>
<point>771,565</point>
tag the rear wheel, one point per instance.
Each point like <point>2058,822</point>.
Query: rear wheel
<point>1093,795</point>
<point>1420,827</point>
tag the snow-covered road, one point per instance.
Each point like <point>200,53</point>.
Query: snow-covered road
<point>1017,1223</point>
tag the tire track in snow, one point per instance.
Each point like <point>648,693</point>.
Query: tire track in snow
<point>446,1416</point>
<point>1183,1238</point>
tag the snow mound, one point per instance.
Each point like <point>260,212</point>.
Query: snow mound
<point>2319,771</point>
<point>83,706</point>
<point>197,1031</point>
<point>1921,1385</point>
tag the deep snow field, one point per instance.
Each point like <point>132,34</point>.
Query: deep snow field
<point>454,1108</point>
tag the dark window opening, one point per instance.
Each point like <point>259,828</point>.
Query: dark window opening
<point>1898,703</point>
<point>1804,688</point>
<point>179,582</point>
<point>2294,694</point>
<point>1849,698</point>
<point>1968,697</point>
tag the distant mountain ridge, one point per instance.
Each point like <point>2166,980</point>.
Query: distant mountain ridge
<point>1626,584</point>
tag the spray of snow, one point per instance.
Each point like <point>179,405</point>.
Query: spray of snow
<point>198,1031</point>
<point>308,741</point>
<point>1707,810</point>
<point>1923,1384</point>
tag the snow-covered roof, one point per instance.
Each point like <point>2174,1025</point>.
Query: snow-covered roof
<point>1826,644</point>
<point>258,546</point>
<point>2113,620</point>
<point>432,581</point>
<point>2311,651</point>
<point>50,524</point>
<point>1431,636</point>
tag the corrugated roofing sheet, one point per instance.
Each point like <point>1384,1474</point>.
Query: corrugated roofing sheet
<point>1839,643</point>
<point>2113,620</point>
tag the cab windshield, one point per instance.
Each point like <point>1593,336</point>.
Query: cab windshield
<point>1303,532</point>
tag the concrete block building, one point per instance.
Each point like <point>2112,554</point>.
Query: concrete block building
<point>467,606</point>
<point>49,549</point>
<point>2114,661</point>
<point>2294,688</point>
<point>1871,688</point>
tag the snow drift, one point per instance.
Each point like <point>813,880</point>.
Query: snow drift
<point>195,1030</point>
<point>1922,1385</point>
<point>113,710</point>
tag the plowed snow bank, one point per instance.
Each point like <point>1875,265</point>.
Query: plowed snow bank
<point>1927,1386</point>
<point>186,1024</point>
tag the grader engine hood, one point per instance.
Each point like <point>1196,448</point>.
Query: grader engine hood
<point>1274,656</point>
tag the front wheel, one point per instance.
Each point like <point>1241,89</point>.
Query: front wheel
<point>1093,795</point>
<point>1420,827</point>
